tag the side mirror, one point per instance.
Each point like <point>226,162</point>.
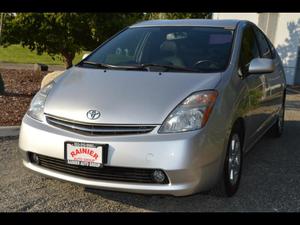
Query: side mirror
<point>261,65</point>
<point>85,55</point>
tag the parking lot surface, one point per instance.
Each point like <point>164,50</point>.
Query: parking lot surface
<point>270,182</point>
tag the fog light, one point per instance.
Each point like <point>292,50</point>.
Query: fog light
<point>35,158</point>
<point>158,176</point>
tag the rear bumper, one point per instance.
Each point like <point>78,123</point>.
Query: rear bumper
<point>191,160</point>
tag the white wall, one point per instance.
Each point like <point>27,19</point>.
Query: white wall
<point>287,42</point>
<point>284,33</point>
<point>253,17</point>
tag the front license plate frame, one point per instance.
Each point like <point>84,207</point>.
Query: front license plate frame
<point>88,153</point>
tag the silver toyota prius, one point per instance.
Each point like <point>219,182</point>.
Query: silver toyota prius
<point>162,107</point>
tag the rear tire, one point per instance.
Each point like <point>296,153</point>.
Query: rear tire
<point>231,174</point>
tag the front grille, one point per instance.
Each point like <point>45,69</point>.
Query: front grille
<point>98,129</point>
<point>111,173</point>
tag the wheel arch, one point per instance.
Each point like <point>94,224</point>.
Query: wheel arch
<point>239,123</point>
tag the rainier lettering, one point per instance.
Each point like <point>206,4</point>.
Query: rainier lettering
<point>84,151</point>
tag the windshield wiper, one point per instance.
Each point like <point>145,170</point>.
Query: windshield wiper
<point>100,65</point>
<point>108,66</point>
<point>137,67</point>
<point>168,67</point>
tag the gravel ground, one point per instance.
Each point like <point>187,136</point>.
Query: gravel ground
<point>20,87</point>
<point>270,182</point>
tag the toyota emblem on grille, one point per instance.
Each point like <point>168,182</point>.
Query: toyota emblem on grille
<point>93,114</point>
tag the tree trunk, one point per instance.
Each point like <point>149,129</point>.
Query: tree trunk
<point>2,90</point>
<point>68,58</point>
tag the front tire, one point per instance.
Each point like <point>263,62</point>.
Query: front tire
<point>231,174</point>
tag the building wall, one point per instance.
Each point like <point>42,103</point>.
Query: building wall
<point>283,29</point>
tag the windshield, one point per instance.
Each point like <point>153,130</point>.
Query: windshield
<point>192,49</point>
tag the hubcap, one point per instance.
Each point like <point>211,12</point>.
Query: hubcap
<point>234,161</point>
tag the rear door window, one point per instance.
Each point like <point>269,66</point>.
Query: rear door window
<point>264,47</point>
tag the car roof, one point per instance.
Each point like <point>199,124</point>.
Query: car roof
<point>189,22</point>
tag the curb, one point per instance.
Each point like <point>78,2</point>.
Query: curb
<point>9,131</point>
<point>28,66</point>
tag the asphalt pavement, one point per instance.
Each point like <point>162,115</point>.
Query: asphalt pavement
<point>270,183</point>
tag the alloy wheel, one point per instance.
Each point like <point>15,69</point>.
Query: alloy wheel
<point>234,159</point>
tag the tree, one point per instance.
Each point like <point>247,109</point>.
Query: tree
<point>5,24</point>
<point>64,34</point>
<point>178,15</point>
<point>105,25</point>
<point>55,33</point>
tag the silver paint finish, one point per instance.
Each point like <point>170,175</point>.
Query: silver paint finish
<point>230,24</point>
<point>135,97</point>
<point>261,65</point>
<point>193,161</point>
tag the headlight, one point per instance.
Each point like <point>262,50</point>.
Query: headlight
<point>191,114</point>
<point>36,109</point>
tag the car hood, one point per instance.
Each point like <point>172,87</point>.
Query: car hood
<point>123,97</point>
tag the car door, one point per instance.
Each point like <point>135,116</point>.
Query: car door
<point>274,81</point>
<point>256,85</point>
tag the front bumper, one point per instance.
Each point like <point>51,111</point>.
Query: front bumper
<point>191,160</point>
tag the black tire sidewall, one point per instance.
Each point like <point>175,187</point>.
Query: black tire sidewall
<point>275,130</point>
<point>283,114</point>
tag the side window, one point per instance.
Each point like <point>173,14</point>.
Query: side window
<point>249,49</point>
<point>263,45</point>
<point>273,50</point>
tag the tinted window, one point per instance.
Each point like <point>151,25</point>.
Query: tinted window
<point>249,49</point>
<point>263,45</point>
<point>197,48</point>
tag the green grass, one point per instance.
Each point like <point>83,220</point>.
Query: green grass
<point>18,54</point>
